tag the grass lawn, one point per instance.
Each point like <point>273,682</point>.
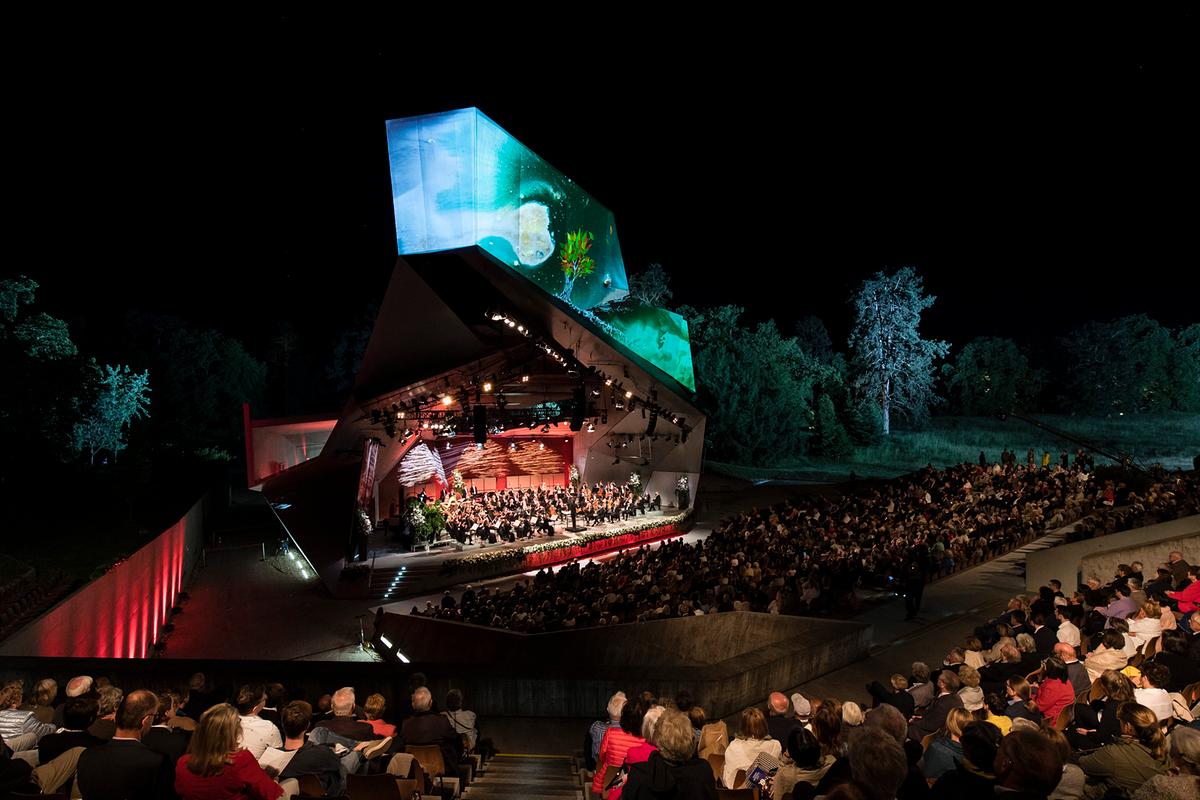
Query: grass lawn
<point>1172,439</point>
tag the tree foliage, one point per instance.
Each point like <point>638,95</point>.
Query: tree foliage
<point>1120,366</point>
<point>349,351</point>
<point>991,375</point>
<point>651,286</point>
<point>893,364</point>
<point>813,338</point>
<point>1185,369</point>
<point>829,439</point>
<point>756,386</point>
<point>575,260</point>
<point>121,396</point>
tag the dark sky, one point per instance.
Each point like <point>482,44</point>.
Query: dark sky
<point>1038,173</point>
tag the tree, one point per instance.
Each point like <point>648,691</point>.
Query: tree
<point>813,339</point>
<point>651,286</point>
<point>121,397</point>
<point>575,260</point>
<point>1119,366</point>
<point>830,438</point>
<point>864,423</point>
<point>349,351</point>
<point>1185,369</point>
<point>756,386</point>
<point>990,376</point>
<point>894,364</point>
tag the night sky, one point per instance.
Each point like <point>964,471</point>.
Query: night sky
<point>1038,180</point>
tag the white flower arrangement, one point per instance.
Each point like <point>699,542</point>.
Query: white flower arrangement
<point>574,475</point>
<point>682,484</point>
<point>635,480</point>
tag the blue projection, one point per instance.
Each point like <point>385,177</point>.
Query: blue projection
<point>459,179</point>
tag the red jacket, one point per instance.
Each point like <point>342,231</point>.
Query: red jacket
<point>1052,697</point>
<point>1188,598</point>
<point>244,779</point>
<point>613,748</point>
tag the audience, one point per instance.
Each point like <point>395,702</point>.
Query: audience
<point>1135,757</point>
<point>753,738</point>
<point>123,768</point>
<point>673,769</point>
<point>215,766</point>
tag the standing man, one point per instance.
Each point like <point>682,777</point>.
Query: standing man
<point>914,581</point>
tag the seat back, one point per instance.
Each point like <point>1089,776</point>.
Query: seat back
<point>1065,717</point>
<point>717,764</point>
<point>373,787</point>
<point>429,756</point>
<point>610,775</point>
<point>928,739</point>
<point>310,786</point>
<point>739,778</point>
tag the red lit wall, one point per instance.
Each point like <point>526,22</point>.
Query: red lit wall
<point>119,614</point>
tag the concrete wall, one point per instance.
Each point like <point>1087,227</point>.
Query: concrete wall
<point>727,661</point>
<point>119,614</point>
<point>1069,563</point>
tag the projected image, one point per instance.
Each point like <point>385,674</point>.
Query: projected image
<point>459,179</point>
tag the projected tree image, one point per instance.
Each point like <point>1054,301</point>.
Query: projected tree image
<point>575,260</point>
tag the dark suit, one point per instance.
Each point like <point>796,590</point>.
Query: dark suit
<point>54,745</point>
<point>431,728</point>
<point>935,716</point>
<point>780,725</point>
<point>1045,638</point>
<point>1078,675</point>
<point>992,678</point>
<point>123,769</point>
<point>171,743</point>
<point>901,700</point>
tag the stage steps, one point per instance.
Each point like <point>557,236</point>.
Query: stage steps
<point>527,777</point>
<point>394,583</point>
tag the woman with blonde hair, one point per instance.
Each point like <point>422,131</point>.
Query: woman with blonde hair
<point>752,738</point>
<point>1185,761</point>
<point>1126,764</point>
<point>215,766</point>
<point>945,750</point>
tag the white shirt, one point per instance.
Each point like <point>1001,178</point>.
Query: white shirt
<point>1157,700</point>
<point>741,754</point>
<point>1145,629</point>
<point>258,734</point>
<point>1068,633</point>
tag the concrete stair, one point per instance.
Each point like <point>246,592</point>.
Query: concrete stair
<point>527,777</point>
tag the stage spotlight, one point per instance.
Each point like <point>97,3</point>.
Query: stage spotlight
<point>487,386</point>
<point>447,400</point>
<point>628,394</point>
<point>541,445</point>
<point>608,381</point>
<point>496,316</point>
<point>524,379</point>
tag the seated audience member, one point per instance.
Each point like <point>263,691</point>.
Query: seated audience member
<point>426,726</point>
<point>298,756</point>
<point>40,701</point>
<point>1109,655</point>
<point>1174,656</point>
<point>462,720</point>
<point>1076,673</point>
<point>935,716</point>
<point>1138,755</point>
<point>827,727</point>
<point>808,764</point>
<point>257,733</point>
<point>994,677</point>
<point>124,768</point>
<point>973,652</point>
<point>996,708</point>
<point>944,751</point>
<point>216,767</point>
<point>878,764</point>
<point>276,700</point>
<point>1096,724</point>
<point>109,699</point>
<point>616,704</point>
<point>199,699</point>
<point>1185,761</point>
<point>79,713</point>
<point>1030,660</point>
<point>169,742</point>
<point>885,719</point>
<point>714,736</point>
<point>1044,636</point>
<point>1068,631</point>
<point>1070,787</point>
<point>641,753</point>
<point>899,695</point>
<point>343,722</point>
<point>1152,692</point>
<point>1189,597</point>
<point>753,738</point>
<point>779,722</point>
<point>617,742</point>
<point>373,714</point>
<point>673,769</point>
<point>1020,703</point>
<point>1146,624</point>
<point>802,709</point>
<point>1028,765</point>
<point>919,686</point>
<point>1055,691</point>
<point>852,715</point>
<point>972,775</point>
<point>78,686</point>
<point>16,724</point>
<point>1121,607</point>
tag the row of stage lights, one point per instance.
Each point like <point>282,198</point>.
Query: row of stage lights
<point>619,397</point>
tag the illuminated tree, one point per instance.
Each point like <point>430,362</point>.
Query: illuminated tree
<point>121,397</point>
<point>651,286</point>
<point>575,260</point>
<point>894,365</point>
